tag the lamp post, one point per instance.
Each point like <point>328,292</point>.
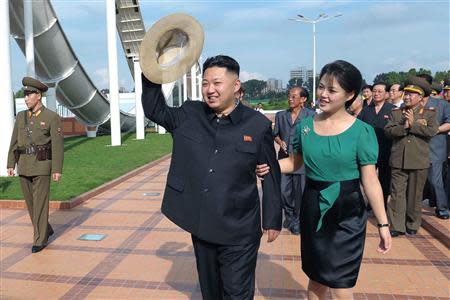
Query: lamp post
<point>320,18</point>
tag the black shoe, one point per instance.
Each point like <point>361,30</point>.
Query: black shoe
<point>442,214</point>
<point>50,232</point>
<point>36,249</point>
<point>395,233</point>
<point>287,223</point>
<point>411,231</point>
<point>295,228</point>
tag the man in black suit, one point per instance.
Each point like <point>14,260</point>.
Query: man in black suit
<point>211,188</point>
<point>377,114</point>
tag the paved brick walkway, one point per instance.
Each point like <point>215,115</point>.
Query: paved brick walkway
<point>145,256</point>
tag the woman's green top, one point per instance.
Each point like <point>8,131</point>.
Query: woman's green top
<point>335,158</point>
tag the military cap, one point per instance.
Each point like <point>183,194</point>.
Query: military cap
<point>33,85</point>
<point>447,84</point>
<point>418,85</point>
<point>436,88</point>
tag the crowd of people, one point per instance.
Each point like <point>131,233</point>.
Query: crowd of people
<point>412,165</point>
<point>387,139</point>
<point>427,150</point>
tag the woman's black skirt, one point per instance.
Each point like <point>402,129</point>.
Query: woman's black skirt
<point>332,255</point>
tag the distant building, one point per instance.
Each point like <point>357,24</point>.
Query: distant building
<point>301,72</point>
<point>275,85</point>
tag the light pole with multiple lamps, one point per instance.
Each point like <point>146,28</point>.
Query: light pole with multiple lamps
<point>320,18</point>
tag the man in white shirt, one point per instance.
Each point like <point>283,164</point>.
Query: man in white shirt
<point>396,94</point>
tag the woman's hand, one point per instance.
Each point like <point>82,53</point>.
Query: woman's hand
<point>385,240</point>
<point>262,170</point>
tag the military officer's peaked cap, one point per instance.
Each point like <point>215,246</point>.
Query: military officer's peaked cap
<point>33,85</point>
<point>447,84</point>
<point>418,85</point>
<point>436,87</point>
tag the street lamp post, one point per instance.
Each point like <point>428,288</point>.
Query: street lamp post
<point>320,18</point>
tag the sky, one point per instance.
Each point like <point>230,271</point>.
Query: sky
<point>375,36</point>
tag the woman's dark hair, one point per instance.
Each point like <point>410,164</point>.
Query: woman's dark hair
<point>347,75</point>
<point>222,61</point>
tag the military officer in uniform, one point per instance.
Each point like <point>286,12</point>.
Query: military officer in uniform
<point>411,128</point>
<point>37,148</point>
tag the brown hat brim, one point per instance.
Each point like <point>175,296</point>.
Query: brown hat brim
<point>162,62</point>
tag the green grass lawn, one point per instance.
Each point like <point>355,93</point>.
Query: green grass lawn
<point>271,104</point>
<point>90,162</point>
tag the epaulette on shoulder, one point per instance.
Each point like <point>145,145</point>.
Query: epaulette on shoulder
<point>431,108</point>
<point>396,108</point>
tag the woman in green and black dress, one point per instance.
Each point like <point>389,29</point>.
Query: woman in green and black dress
<point>339,151</point>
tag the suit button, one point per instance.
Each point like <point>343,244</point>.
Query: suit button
<point>409,141</point>
<point>205,190</point>
<point>216,151</point>
<point>217,120</point>
<point>211,170</point>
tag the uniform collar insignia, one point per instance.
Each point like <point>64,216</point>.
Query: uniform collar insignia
<point>36,114</point>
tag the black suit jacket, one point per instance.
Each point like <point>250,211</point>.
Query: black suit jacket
<point>378,121</point>
<point>211,188</point>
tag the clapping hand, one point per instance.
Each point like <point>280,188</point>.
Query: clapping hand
<point>409,118</point>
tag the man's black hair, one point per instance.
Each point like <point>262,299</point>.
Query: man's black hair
<point>386,86</point>
<point>303,91</point>
<point>222,61</point>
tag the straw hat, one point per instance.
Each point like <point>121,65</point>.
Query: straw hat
<point>171,47</point>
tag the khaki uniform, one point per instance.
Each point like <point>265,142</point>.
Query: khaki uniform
<point>44,127</point>
<point>409,161</point>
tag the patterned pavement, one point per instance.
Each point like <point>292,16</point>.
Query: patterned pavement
<point>145,256</point>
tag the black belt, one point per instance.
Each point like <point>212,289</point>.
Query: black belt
<point>321,185</point>
<point>29,150</point>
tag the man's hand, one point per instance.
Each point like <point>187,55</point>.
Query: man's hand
<point>272,235</point>
<point>56,176</point>
<point>409,115</point>
<point>262,170</point>
<point>10,172</point>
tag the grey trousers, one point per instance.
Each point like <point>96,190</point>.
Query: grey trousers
<point>435,179</point>
<point>292,186</point>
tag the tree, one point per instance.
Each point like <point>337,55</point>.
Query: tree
<point>254,88</point>
<point>295,82</point>
<point>389,78</point>
<point>401,77</point>
<point>19,94</point>
<point>439,76</point>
